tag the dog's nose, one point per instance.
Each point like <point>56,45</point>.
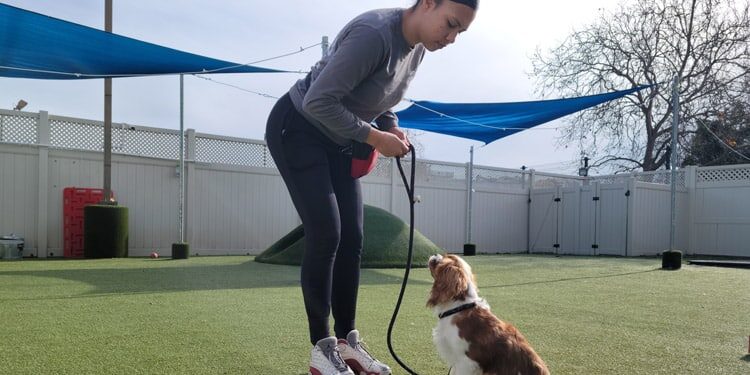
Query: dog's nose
<point>435,259</point>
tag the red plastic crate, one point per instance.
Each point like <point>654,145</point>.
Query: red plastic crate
<point>74,200</point>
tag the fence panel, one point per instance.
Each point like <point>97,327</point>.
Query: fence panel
<point>570,241</point>
<point>613,211</point>
<point>652,222</point>
<point>587,230</point>
<point>237,203</point>
<point>237,211</point>
<point>721,211</point>
<point>19,168</point>
<point>440,216</point>
<point>500,220</point>
<point>148,187</point>
<point>543,225</point>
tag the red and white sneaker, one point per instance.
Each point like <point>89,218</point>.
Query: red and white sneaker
<point>355,354</point>
<point>326,360</point>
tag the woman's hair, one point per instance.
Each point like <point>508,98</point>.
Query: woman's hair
<point>470,3</point>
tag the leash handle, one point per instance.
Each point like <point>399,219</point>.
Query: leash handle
<point>410,192</point>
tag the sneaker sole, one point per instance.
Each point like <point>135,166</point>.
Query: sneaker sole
<point>359,370</point>
<point>313,371</point>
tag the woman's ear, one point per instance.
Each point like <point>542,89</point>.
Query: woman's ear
<point>428,4</point>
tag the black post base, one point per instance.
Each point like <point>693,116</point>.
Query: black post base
<point>671,260</point>
<point>180,250</point>
<point>470,249</point>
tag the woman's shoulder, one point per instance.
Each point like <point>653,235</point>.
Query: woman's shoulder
<point>380,19</point>
<point>377,17</point>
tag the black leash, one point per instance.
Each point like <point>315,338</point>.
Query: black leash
<point>410,192</point>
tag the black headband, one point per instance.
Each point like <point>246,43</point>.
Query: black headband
<point>469,3</point>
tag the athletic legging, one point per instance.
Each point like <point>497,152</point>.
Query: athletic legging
<point>329,201</point>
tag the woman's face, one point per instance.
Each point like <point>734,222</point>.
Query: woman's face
<point>442,23</point>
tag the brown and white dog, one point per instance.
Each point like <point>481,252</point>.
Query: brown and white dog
<point>468,336</point>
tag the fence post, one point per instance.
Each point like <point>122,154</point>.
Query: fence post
<point>43,142</point>
<point>691,176</point>
<point>469,196</point>
<point>597,216</point>
<point>630,216</point>
<point>189,187</point>
<point>559,218</point>
<point>528,212</point>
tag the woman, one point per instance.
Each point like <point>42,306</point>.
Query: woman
<point>366,72</point>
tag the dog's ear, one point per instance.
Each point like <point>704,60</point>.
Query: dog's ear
<point>451,283</point>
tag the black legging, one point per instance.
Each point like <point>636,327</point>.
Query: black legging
<point>329,201</point>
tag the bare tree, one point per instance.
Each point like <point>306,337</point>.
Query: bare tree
<point>725,139</point>
<point>647,42</point>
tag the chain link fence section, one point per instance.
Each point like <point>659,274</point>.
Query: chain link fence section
<point>545,180</point>
<point>440,174</point>
<point>663,177</point>
<point>383,168</point>
<point>491,179</point>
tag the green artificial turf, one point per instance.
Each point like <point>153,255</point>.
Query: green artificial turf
<point>231,315</point>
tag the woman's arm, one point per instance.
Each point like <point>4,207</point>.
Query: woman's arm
<point>359,53</point>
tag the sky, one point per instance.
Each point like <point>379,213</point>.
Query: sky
<point>490,62</point>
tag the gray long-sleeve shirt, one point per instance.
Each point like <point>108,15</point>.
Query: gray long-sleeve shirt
<point>366,72</point>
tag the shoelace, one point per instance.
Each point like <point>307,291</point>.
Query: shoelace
<point>335,358</point>
<point>363,348</point>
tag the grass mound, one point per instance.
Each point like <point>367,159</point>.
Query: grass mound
<point>385,246</point>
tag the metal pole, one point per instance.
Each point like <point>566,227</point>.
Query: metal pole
<point>470,194</point>
<point>675,124</point>
<point>182,161</point>
<point>324,45</point>
<point>107,114</point>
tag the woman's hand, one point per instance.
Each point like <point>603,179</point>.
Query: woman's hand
<point>387,143</point>
<point>400,134</point>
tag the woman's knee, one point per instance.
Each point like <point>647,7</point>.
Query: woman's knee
<point>323,241</point>
<point>352,241</point>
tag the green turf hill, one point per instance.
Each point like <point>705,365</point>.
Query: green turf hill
<point>386,244</point>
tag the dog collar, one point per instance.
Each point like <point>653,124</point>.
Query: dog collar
<point>458,309</point>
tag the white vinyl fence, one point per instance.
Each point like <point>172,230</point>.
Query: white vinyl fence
<point>627,218</point>
<point>237,203</point>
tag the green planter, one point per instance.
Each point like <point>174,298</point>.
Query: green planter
<point>105,231</point>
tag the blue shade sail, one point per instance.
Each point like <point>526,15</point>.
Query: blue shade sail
<point>488,122</point>
<point>33,45</point>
